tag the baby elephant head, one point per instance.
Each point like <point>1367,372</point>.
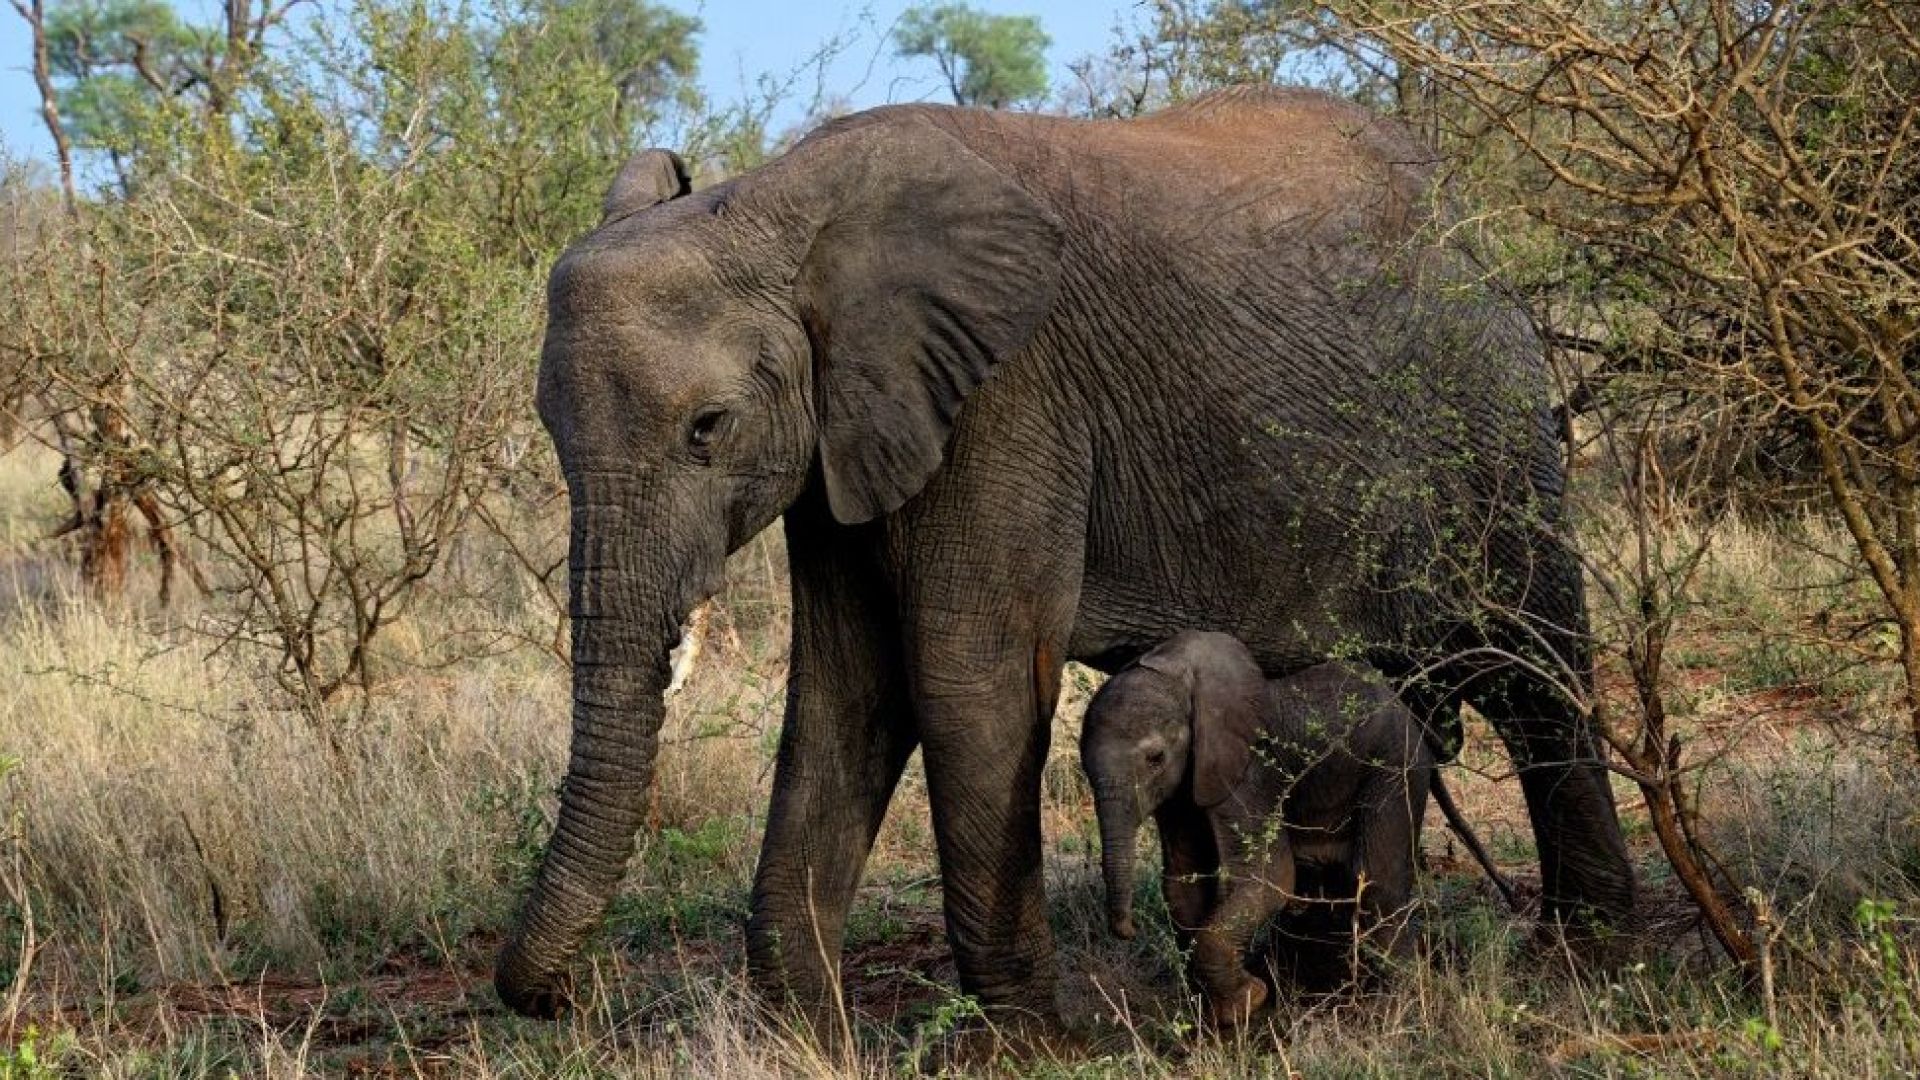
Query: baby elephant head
<point>1182,716</point>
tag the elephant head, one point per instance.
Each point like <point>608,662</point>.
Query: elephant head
<point>710,359</point>
<point>1182,716</point>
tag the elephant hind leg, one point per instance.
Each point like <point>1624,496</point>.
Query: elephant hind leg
<point>1310,946</point>
<point>1586,874</point>
<point>1383,858</point>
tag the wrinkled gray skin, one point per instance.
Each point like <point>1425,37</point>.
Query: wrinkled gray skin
<point>1322,773</point>
<point>1026,389</point>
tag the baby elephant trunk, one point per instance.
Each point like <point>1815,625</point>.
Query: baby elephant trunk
<point>1119,824</point>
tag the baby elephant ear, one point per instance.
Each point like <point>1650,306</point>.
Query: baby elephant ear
<point>649,178</point>
<point>1228,691</point>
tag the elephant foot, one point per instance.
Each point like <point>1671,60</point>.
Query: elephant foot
<point>816,1015</point>
<point>1602,945</point>
<point>794,982</point>
<point>1239,1005</point>
<point>1588,918</point>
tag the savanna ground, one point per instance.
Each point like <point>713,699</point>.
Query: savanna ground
<point>199,883</point>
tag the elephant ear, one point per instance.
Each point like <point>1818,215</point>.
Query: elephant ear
<point>1228,694</point>
<point>930,267</point>
<point>649,178</point>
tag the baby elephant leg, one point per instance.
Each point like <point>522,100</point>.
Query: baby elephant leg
<point>1384,861</point>
<point>1190,872</point>
<point>1220,948</point>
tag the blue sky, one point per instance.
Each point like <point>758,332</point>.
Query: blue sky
<point>743,40</point>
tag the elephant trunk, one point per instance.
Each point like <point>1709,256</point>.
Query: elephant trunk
<point>1119,816</point>
<point>624,623</point>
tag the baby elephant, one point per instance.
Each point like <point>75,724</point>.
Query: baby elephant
<point>1255,786</point>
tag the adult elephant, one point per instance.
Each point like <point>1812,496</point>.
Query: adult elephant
<point>1028,389</point>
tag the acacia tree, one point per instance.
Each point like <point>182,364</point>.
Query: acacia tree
<point>108,71</point>
<point>990,60</point>
<point>1739,182</point>
<point>319,307</point>
<point>1189,46</point>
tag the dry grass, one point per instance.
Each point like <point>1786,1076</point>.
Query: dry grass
<point>215,888</point>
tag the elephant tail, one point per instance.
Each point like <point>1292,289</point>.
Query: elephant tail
<point>1466,834</point>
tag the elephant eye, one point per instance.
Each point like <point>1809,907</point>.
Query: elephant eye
<point>705,431</point>
<point>1156,758</point>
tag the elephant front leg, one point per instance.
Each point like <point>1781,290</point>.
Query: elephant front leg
<point>985,740</point>
<point>1190,871</point>
<point>836,773</point>
<point>847,735</point>
<point>1254,892</point>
